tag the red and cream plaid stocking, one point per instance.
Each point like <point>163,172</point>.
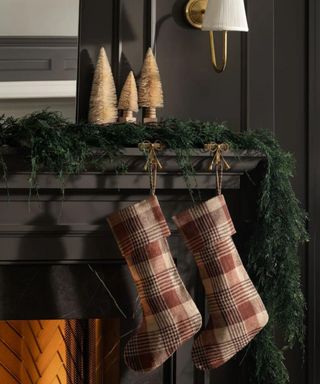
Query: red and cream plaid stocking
<point>170,316</point>
<point>236,311</point>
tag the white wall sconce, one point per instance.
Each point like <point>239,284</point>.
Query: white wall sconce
<point>217,15</point>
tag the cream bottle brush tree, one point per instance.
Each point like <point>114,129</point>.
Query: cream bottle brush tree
<point>103,98</point>
<point>128,101</point>
<point>150,88</point>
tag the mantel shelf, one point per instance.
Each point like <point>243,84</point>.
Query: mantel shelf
<point>135,177</point>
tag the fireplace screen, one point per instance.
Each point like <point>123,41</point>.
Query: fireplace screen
<point>53,352</point>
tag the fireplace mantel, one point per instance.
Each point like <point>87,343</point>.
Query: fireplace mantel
<point>49,229</point>
<point>135,177</point>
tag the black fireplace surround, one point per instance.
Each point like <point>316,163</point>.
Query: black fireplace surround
<point>59,260</point>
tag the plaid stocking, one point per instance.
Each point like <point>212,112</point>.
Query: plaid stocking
<point>170,316</point>
<point>236,311</point>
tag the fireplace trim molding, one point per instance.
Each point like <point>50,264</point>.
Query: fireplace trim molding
<point>107,190</point>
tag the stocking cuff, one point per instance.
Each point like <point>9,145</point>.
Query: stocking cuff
<point>206,222</point>
<point>138,225</point>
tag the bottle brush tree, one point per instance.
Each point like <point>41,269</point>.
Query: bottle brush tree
<point>150,88</point>
<point>128,101</point>
<point>103,98</point>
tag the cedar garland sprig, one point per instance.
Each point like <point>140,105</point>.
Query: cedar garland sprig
<point>52,143</point>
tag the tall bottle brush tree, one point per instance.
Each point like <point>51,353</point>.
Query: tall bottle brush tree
<point>103,98</point>
<point>128,101</point>
<point>150,88</point>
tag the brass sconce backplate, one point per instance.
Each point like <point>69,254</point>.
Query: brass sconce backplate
<point>195,10</point>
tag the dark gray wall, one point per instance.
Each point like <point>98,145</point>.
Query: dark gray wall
<point>313,191</point>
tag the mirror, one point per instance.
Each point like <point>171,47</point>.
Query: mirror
<point>38,56</point>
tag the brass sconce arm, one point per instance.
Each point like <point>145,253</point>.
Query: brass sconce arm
<point>217,15</point>
<point>223,65</point>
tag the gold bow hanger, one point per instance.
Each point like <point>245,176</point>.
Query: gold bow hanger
<point>216,150</point>
<point>218,161</point>
<point>152,164</point>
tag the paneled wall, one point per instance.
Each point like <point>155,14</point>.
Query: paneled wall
<point>265,85</point>
<point>182,55</point>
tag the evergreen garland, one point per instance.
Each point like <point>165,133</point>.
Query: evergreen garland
<point>52,143</point>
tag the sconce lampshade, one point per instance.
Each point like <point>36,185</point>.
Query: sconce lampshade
<point>225,15</point>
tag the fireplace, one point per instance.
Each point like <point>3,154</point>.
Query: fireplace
<point>67,301</point>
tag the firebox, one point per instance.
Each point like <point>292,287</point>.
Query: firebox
<point>58,351</point>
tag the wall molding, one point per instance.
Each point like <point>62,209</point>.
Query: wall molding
<point>29,58</point>
<point>38,89</point>
<point>38,41</point>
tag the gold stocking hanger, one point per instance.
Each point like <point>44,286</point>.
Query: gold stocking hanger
<point>152,164</point>
<point>218,162</point>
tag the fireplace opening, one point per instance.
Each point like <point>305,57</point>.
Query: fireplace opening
<point>54,352</point>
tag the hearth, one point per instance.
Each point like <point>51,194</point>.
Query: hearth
<point>67,301</point>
